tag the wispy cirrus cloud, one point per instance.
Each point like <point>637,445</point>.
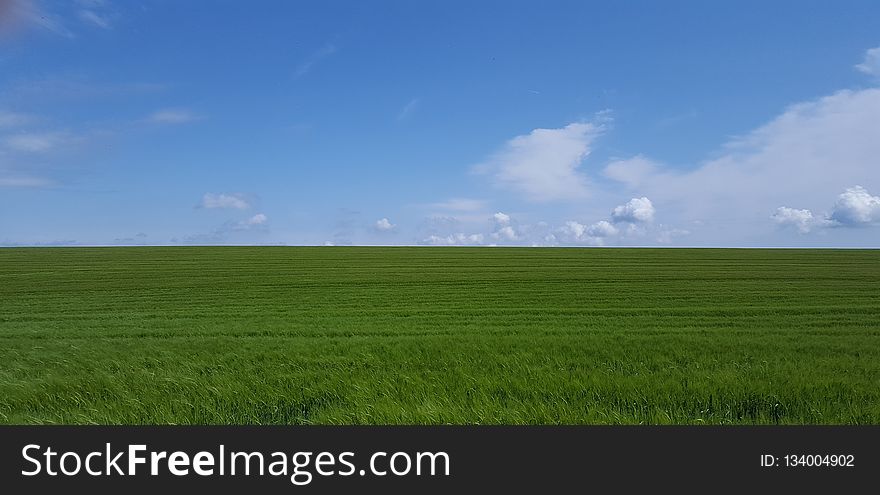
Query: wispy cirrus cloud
<point>408,110</point>
<point>460,204</point>
<point>317,56</point>
<point>37,142</point>
<point>74,87</point>
<point>15,119</point>
<point>97,13</point>
<point>91,17</point>
<point>26,156</point>
<point>236,201</point>
<point>172,116</point>
<point>18,181</point>
<point>30,14</point>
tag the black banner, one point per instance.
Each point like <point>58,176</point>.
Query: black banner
<point>439,459</point>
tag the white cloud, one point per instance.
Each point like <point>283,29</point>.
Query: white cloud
<point>384,225</point>
<point>456,239</point>
<point>669,236</point>
<point>255,225</point>
<point>33,15</point>
<point>503,228</point>
<point>871,64</point>
<point>637,210</point>
<point>501,218</point>
<point>573,232</point>
<point>811,151</point>
<point>602,229</point>
<point>632,171</point>
<point>579,233</point>
<point>36,142</point>
<point>408,109</point>
<point>802,220</point>
<point>460,204</point>
<point>506,233</point>
<point>224,200</point>
<point>24,182</point>
<point>172,116</point>
<point>322,53</point>
<point>258,219</point>
<point>855,207</point>
<point>91,17</point>
<point>12,119</point>
<point>544,164</point>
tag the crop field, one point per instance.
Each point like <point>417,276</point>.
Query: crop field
<point>298,335</point>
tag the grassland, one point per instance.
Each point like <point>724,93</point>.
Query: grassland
<point>438,335</point>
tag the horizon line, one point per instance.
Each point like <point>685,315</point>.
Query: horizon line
<point>67,246</point>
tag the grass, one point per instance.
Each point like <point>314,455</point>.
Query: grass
<point>268,335</point>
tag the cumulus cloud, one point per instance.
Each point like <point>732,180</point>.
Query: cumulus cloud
<point>224,200</point>
<point>574,229</point>
<point>258,219</point>
<point>602,229</point>
<point>871,64</point>
<point>812,150</point>
<point>456,239</point>
<point>637,210</point>
<point>802,220</point>
<point>628,221</point>
<point>172,116</point>
<point>501,219</point>
<point>503,228</point>
<point>855,207</point>
<point>506,233</point>
<point>577,233</point>
<point>258,222</point>
<point>544,165</point>
<point>384,225</point>
<point>573,232</point>
<point>243,229</point>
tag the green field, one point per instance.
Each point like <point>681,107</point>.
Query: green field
<point>264,335</point>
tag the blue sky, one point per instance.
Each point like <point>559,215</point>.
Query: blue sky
<point>509,123</point>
